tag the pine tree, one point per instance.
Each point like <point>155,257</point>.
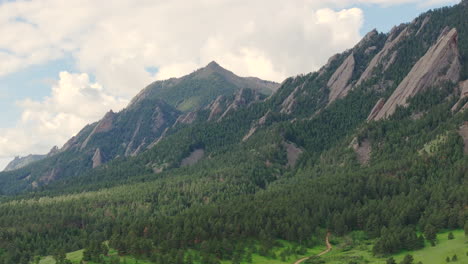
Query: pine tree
<point>248,257</point>
<point>451,236</point>
<point>408,259</point>
<point>430,232</point>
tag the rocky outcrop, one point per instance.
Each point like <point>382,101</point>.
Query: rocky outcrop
<point>105,125</point>
<point>50,176</point>
<point>329,62</point>
<point>55,150</point>
<point>378,106</point>
<point>193,158</point>
<point>239,100</point>
<point>423,24</point>
<point>139,149</point>
<point>252,131</point>
<point>464,134</point>
<point>216,108</point>
<point>339,81</point>
<point>363,150</point>
<point>390,60</point>
<point>440,63</point>
<point>97,158</point>
<point>129,149</point>
<point>463,88</point>
<point>256,125</point>
<point>288,104</point>
<point>368,37</point>
<point>155,142</point>
<point>242,98</point>
<point>370,49</point>
<point>464,107</point>
<point>382,55</point>
<point>159,119</point>
<point>187,118</point>
<point>293,153</point>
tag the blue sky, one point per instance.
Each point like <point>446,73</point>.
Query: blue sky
<point>51,53</point>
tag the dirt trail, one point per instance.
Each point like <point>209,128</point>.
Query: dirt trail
<point>329,248</point>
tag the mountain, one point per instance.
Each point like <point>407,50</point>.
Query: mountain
<point>211,92</point>
<point>371,149</point>
<point>201,87</point>
<point>20,162</point>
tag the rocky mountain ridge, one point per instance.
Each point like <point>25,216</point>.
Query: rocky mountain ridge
<point>376,76</point>
<point>147,120</point>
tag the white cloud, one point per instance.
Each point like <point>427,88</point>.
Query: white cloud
<point>74,102</point>
<point>116,41</point>
<point>4,162</point>
<point>385,3</point>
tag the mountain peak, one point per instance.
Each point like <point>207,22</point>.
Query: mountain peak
<point>213,67</point>
<point>213,64</point>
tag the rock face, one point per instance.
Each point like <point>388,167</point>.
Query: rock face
<point>262,121</point>
<point>130,146</point>
<point>97,158</point>
<point>362,150</point>
<point>440,63</point>
<point>242,98</point>
<point>288,104</point>
<point>193,158</point>
<point>53,151</point>
<point>423,24</point>
<point>49,176</point>
<point>368,37</point>
<point>187,118</point>
<point>378,106</point>
<point>380,58</point>
<point>464,134</point>
<point>339,81</point>
<point>292,153</point>
<point>224,105</point>
<point>104,125</point>
<point>463,87</point>
<point>216,107</point>
<point>329,62</point>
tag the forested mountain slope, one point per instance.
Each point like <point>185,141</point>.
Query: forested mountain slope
<point>20,162</point>
<point>376,141</point>
<point>149,117</point>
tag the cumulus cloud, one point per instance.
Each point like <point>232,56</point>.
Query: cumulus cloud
<point>116,41</point>
<point>74,101</point>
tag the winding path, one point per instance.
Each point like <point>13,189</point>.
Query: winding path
<point>329,248</point>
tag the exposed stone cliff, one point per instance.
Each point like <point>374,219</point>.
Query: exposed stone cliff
<point>339,82</point>
<point>440,63</point>
<point>97,158</point>
<point>381,57</point>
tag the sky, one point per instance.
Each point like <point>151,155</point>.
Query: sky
<point>64,64</point>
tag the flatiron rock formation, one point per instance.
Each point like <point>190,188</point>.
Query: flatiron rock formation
<point>339,82</point>
<point>440,63</point>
